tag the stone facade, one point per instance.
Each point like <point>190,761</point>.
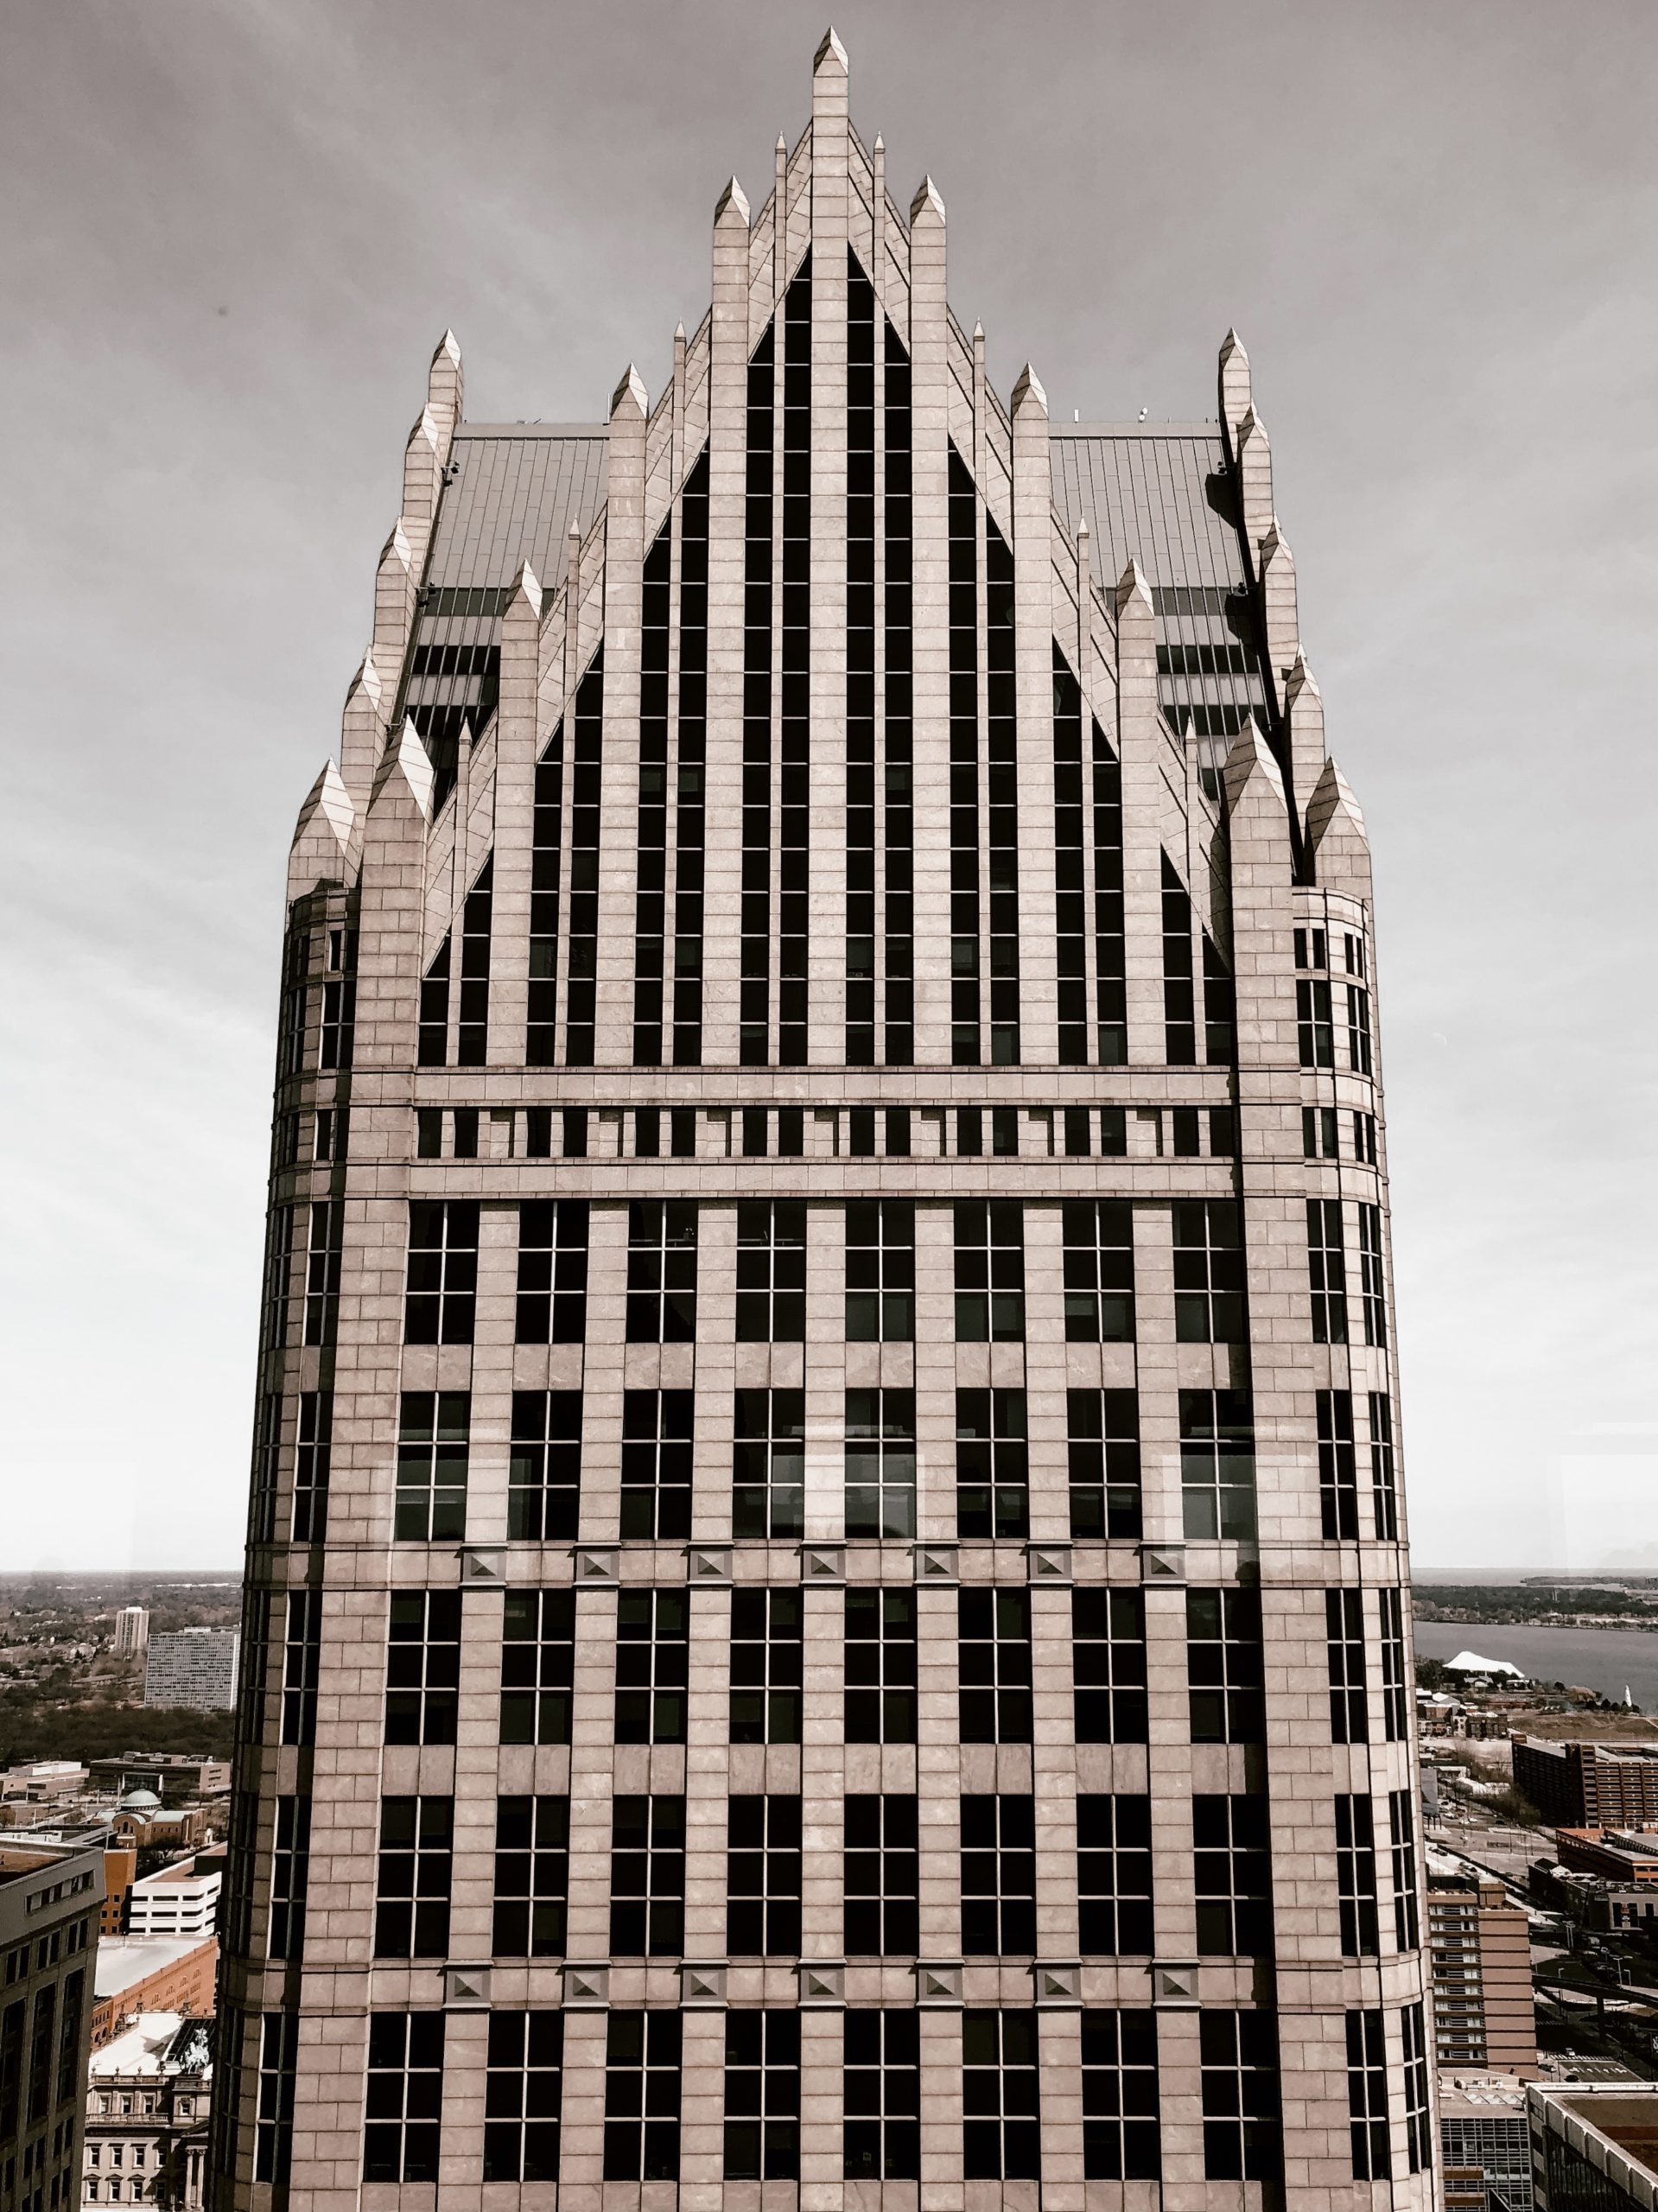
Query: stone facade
<point>827,1616</point>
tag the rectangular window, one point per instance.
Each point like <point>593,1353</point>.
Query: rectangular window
<point>657,1428</point>
<point>1356,1876</point>
<point>1364,1139</point>
<point>998,1876</point>
<point>647,1877</point>
<point>1099,1265</point>
<point>404,2104</point>
<point>768,1464</point>
<point>532,1877</point>
<point>1121,2133</point>
<point>312,1450</point>
<point>1367,2096</point>
<point>538,1666</point>
<point>880,1271</point>
<point>642,2078</point>
<point>1314,1023</point>
<point>433,1436</point>
<point>881,2084</point>
<point>1108,1662</point>
<point>1232,1876</point>
<point>1344,1640</point>
<point>1358,1029</point>
<point>1224,1666</point>
<point>273,2134</point>
<point>881,1877</point>
<point>1384,1489</point>
<point>424,1667</point>
<point>994,1661</point>
<point>1338,1495</point>
<point>543,1497</point>
<point>1418,2118</point>
<point>552,1297</point>
<point>660,1271</point>
<point>770,1271</point>
<point>989,1271</point>
<point>322,1264</point>
<point>301,1659</point>
<point>1207,1272</point>
<point>415,1869</point>
<point>1103,1448</point>
<point>587,772</point>
<point>880,1666</point>
<point>652,1665</point>
<point>880,1463</point>
<point>1002,2130</point>
<point>1373,1281</point>
<point>524,2090</point>
<point>1242,2129</point>
<point>1395,1696</point>
<point>1180,1008</point>
<point>762,2096</point>
<point>690,820</point>
<point>1114,1876</point>
<point>291,1874</point>
<point>993,1493</point>
<point>1401,1836</point>
<point>1327,1271</point>
<point>766,1665</point>
<point>1319,1134</point>
<point>1217,1463</point>
<point>441,1304</point>
<point>763,1865</point>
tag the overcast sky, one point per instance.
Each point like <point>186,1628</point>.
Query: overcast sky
<point>235,233</point>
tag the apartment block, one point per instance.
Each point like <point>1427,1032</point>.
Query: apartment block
<point>1483,2013</point>
<point>49,1935</point>
<point>1582,1785</point>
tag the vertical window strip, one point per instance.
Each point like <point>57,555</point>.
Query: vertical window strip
<point>964,912</point>
<point>1002,793</point>
<point>1372,1281</point>
<point>754,990</point>
<point>1110,986</point>
<point>433,1040</point>
<point>1070,901</point>
<point>547,830</point>
<point>794,785</point>
<point>472,1032</point>
<point>690,811</point>
<point>649,906</point>
<point>899,733</point>
<point>1180,1007</point>
<point>1384,1488</point>
<point>581,994</point>
<point>861,766</point>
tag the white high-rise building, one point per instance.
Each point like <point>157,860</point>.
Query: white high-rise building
<point>132,1631</point>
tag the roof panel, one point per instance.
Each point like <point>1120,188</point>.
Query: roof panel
<point>520,487</point>
<point>1144,494</point>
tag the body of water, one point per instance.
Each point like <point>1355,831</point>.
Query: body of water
<point>1602,1659</point>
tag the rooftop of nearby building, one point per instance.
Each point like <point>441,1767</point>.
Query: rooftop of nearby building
<point>155,2043</point>
<point>1613,2127</point>
<point>126,1961</point>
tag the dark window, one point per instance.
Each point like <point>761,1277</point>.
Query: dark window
<point>532,1877</point>
<point>989,1271</point>
<point>273,2134</point>
<point>313,1453</point>
<point>416,1864</point>
<point>767,1660</point>
<point>1356,1876</point>
<point>1224,1666</point>
<point>768,1463</point>
<point>880,1463</point>
<point>763,1877</point>
<point>880,1271</point>
<point>442,1298</point>
<point>1402,1837</point>
<point>1103,1447</point>
<point>658,1426</point>
<point>322,1264</point>
<point>291,1874</point>
<point>424,1667</point>
<point>301,1659</point>
<point>1367,2096</point>
<point>1338,1496</point>
<point>1384,1487</point>
<point>647,1877</point>
<point>433,1041</point>
<point>1232,1876</point>
<point>1345,1640</point>
<point>432,1449</point>
<point>552,1306</point>
<point>881,2084</point>
<point>652,1665</point>
<point>993,1493</point>
<point>762,2096</point>
<point>998,1876</point>
<point>1318,1133</point>
<point>1179,1011</point>
<point>472,1033</point>
<point>587,768</point>
<point>1358,1029</point>
<point>881,1877</point>
<point>1207,1272</point>
<point>1238,2052</point>
<point>523,2089</point>
<point>881,1666</point>
<point>543,1498</point>
<point>1217,1463</point>
<point>1372,1279</point>
<point>538,1666</point>
<point>759,555</point>
<point>1327,1271</point>
<point>642,2077</point>
<point>1396,1697</point>
<point>1315,1030</point>
<point>1001,2133</point>
<point>651,819</point>
<point>690,821</point>
<point>405,2105</point>
<point>993,1629</point>
<point>1418,2118</point>
<point>1114,1875</point>
<point>660,1271</point>
<point>1109,1660</point>
<point>770,1271</point>
<point>965,863</point>
<point>1099,1270</point>
<point>1121,2133</point>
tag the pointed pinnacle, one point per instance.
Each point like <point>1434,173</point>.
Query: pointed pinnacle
<point>631,387</point>
<point>329,797</point>
<point>449,345</point>
<point>1028,393</point>
<point>1132,584</point>
<point>679,334</point>
<point>827,45</point>
<point>525,586</point>
<point>1332,795</point>
<point>1300,678</point>
<point>783,144</point>
<point>926,197</point>
<point>733,196</point>
<point>1232,344</point>
<point>367,679</point>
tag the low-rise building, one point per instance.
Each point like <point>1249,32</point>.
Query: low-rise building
<point>46,1782</point>
<point>1588,1785</point>
<point>1629,1856</point>
<point>48,1939</point>
<point>161,1973</point>
<point>1593,2148</point>
<point>189,1774</point>
<point>193,1668</point>
<point>1484,2142</point>
<point>178,1900</point>
<point>148,2095</point>
<point>1483,2014</point>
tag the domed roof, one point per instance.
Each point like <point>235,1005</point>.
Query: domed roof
<point>140,1800</point>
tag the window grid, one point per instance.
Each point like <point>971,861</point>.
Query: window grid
<point>582,955</point>
<point>1114,1876</point>
<point>424,1667</point>
<point>1232,1876</point>
<point>538,1666</point>
<point>1327,1271</point>
<point>660,1271</point>
<point>543,1495</point>
<point>1217,1464</point>
<point>989,1271</point>
<point>290,1872</point>
<point>301,1659</point>
<point>1339,1496</point>
<point>768,1472</point>
<point>1366,2095</point>
<point>1418,2116</point>
<point>523,2089</point>
<point>1108,1664</point>
<point>998,1876</point>
<point>1401,1838</point>
<point>767,1660</point>
<point>323,1265</point>
<point>880,1463</point>
<point>763,1875</point>
<point>546,842</point>
<point>532,1877</point>
<point>1224,1666</point>
<point>1179,1009</point>
<point>881,1666</point>
<point>994,1665</point>
<point>273,2129</point>
<point>1384,1486</point>
<point>552,1292</point>
<point>649,904</point>
<point>1372,1280</point>
<point>1001,2133</point>
<point>1238,2059</point>
<point>642,2082</point>
<point>881,1877</point>
<point>1358,1029</point>
<point>690,811</point>
<point>993,1492</point>
<point>1395,1695</point>
<point>762,2096</point>
<point>413,1877</point>
<point>1209,1304</point>
<point>1356,1876</point>
<point>1103,1429</point>
<point>401,2132</point>
<point>442,1304</point>
<point>897,733</point>
<point>1099,1264</point>
<point>313,1453</point>
<point>658,1429</point>
<point>1121,2130</point>
<point>1314,1023</point>
<point>794,725</point>
<point>433,1433</point>
<point>1344,1642</point>
<point>880,1271</point>
<point>647,1877</point>
<point>860,976</point>
<point>652,1665</point>
<point>770,1271</point>
<point>961,521</point>
<point>881,2086</point>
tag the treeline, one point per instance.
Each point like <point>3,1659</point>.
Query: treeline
<point>1498,1601</point>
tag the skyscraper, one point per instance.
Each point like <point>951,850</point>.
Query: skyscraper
<point>827,1586</point>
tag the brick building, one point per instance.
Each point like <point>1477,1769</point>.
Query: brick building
<point>1588,1785</point>
<point>1483,2011</point>
<point>826,1576</point>
<point>151,1974</point>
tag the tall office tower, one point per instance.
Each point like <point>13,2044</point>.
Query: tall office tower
<point>826,1595</point>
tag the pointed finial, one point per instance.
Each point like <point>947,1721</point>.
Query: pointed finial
<point>1300,678</point>
<point>880,143</point>
<point>1028,393</point>
<point>926,201</point>
<point>525,588</point>
<point>632,388</point>
<point>782,144</point>
<point>1250,757</point>
<point>409,756</point>
<point>1131,586</point>
<point>733,196</point>
<point>1082,537</point>
<point>679,334</point>
<point>978,332</point>
<point>1332,799</point>
<point>830,49</point>
<point>1274,546</point>
<point>1231,345</point>
<point>1251,426</point>
<point>367,680</point>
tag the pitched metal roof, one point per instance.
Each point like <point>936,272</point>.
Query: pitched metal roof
<point>1143,489</point>
<point>516,489</point>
